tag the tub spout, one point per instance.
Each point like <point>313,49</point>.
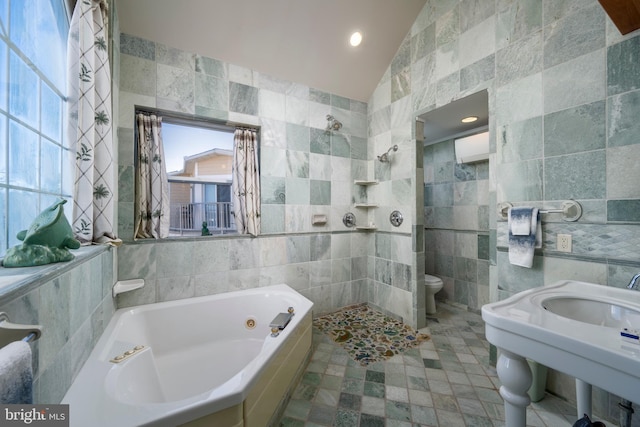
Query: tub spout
<point>281,320</point>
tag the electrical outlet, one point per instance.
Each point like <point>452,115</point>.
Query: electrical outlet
<point>563,242</point>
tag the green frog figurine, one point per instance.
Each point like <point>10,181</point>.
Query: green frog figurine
<point>47,240</point>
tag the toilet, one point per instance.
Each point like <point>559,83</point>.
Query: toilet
<point>432,285</point>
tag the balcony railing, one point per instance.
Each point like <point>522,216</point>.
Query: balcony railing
<point>188,218</point>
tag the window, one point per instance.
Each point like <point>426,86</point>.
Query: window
<point>198,163</point>
<point>33,152</point>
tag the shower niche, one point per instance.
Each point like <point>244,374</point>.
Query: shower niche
<point>365,205</point>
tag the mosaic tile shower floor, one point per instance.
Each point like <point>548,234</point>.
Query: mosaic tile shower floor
<point>446,381</point>
<point>367,335</point>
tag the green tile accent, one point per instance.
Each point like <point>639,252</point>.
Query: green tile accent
<point>432,363</point>
<point>623,73</point>
<point>623,126</point>
<point>375,376</point>
<point>623,210</point>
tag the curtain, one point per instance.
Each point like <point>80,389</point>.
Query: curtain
<point>90,126</point>
<point>246,182</point>
<point>152,185</point>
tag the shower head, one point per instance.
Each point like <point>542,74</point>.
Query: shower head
<point>332,123</point>
<point>384,158</point>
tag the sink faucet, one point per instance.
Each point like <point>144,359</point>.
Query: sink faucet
<point>634,283</point>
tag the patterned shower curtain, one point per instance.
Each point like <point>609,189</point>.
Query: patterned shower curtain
<point>90,125</point>
<point>152,185</point>
<point>246,182</point>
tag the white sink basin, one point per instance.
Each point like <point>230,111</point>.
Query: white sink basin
<point>572,327</point>
<point>604,313</point>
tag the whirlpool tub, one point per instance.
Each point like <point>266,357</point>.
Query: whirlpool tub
<point>201,361</point>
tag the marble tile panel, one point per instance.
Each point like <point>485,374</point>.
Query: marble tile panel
<point>298,249</point>
<point>320,141</point>
<point>272,190</point>
<point>320,167</point>
<point>519,100</point>
<point>297,137</point>
<point>474,12</point>
<point>465,193</point>
<point>175,57</point>
<point>340,145</point>
<point>623,210</point>
<point>423,43</point>
<point>297,191</point>
<point>175,84</point>
<point>297,218</point>
<point>554,10</point>
<point>575,129</point>
<point>136,46</point>
<point>273,133</point>
<point>319,96</point>
<point>340,102</point>
<point>401,84</point>
<point>623,126</point>
<point>243,99</point>
<point>575,82</point>
<point>211,92</point>
<point>272,105</point>
<point>271,161</point>
<point>402,58</point>
<point>519,59</point>
<point>566,177</point>
<point>137,261</point>
<point>520,140</point>
<point>478,74</point>
<point>175,288</point>
<point>575,35</point>
<point>447,59</point>
<point>515,279</point>
<point>556,269</point>
<point>448,27</point>
<point>517,19</point>
<point>320,192</point>
<point>478,41</point>
<point>448,89</point>
<point>138,76</point>
<point>244,254</point>
<point>622,70</point>
<point>211,255</point>
<point>174,259</point>
<point>520,181</point>
<point>212,67</point>
<point>297,164</point>
<point>297,111</point>
<point>272,219</point>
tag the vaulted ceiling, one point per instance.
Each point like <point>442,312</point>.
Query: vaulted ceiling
<point>303,41</point>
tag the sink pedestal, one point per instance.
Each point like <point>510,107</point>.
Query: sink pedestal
<point>515,377</point>
<point>593,353</point>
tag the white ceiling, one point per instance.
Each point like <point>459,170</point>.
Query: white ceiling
<point>303,41</point>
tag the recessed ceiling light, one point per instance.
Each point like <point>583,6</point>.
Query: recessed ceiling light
<point>355,39</point>
<point>469,119</point>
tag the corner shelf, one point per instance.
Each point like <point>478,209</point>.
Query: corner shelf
<point>365,205</point>
<point>366,228</point>
<point>365,182</point>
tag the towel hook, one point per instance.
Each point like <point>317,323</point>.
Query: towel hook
<point>10,332</point>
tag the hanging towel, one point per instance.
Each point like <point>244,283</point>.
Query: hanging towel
<point>16,374</point>
<point>522,246</point>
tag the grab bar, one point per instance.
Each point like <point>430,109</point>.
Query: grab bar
<point>10,332</point>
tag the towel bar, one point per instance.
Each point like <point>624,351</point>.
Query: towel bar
<point>10,332</point>
<point>571,210</point>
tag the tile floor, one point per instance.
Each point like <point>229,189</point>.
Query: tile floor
<point>446,382</point>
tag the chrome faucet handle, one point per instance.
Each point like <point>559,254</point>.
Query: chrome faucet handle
<point>633,284</point>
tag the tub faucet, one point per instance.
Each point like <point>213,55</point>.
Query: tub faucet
<point>634,283</point>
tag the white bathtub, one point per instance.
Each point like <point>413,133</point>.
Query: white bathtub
<point>201,356</point>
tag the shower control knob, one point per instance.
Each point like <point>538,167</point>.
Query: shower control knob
<point>396,218</point>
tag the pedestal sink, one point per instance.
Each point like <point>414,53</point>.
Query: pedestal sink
<point>572,327</point>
